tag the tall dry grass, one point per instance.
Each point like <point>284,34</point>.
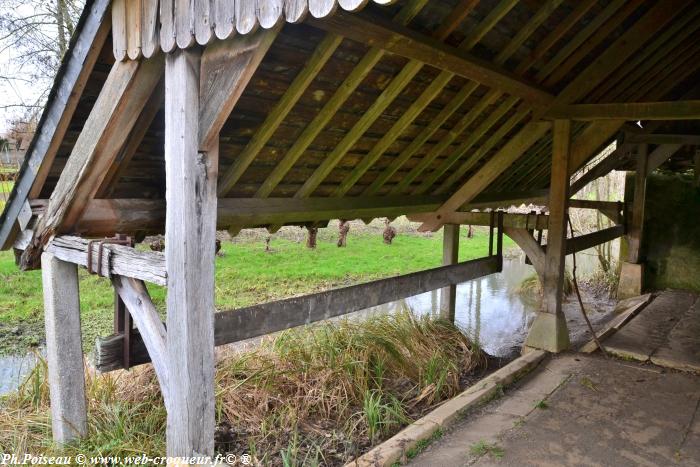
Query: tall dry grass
<point>314,396</point>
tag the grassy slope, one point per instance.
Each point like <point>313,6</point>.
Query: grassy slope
<point>246,275</point>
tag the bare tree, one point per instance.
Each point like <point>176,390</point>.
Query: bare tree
<point>34,37</point>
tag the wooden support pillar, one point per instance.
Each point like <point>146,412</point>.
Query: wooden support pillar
<point>64,349</point>
<point>549,331</point>
<point>190,233</point>
<point>696,161</point>
<point>450,253</point>
<point>632,271</point>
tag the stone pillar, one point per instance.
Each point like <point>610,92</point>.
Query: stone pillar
<point>549,331</point>
<point>450,251</point>
<point>64,349</point>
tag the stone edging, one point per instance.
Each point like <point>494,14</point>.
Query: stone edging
<point>394,449</point>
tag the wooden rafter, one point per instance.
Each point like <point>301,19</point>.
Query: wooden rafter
<point>415,46</point>
<point>127,89</point>
<point>345,90</point>
<point>631,111</point>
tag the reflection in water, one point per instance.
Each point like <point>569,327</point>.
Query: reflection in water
<point>489,310</point>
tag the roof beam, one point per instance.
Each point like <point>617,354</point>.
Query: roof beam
<point>631,111</point>
<point>124,94</point>
<point>107,216</point>
<point>654,138</point>
<point>402,41</point>
<point>601,169</point>
<point>660,155</point>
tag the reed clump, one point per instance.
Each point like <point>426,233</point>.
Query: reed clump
<point>319,395</point>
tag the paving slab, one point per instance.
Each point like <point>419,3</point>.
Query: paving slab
<point>682,347</point>
<point>650,329</point>
<point>602,413</point>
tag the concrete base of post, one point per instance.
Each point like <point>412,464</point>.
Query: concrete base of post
<point>631,280</point>
<point>548,332</point>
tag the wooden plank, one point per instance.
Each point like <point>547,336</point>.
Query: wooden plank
<point>246,20</point>
<point>184,23</point>
<point>267,318</point>
<point>120,260</point>
<point>553,286</point>
<point>127,89</point>
<point>269,12</point>
<point>75,70</point>
<point>506,199</point>
<point>202,21</point>
<point>227,67</point>
<point>415,46</point>
<point>105,217</point>
<point>584,242</point>
<point>322,8</point>
<point>450,256</point>
<point>133,29</point>
<point>64,352</point>
<point>167,25</point>
<point>660,155</point>
<point>613,210</point>
<point>631,111</point>
<point>224,19</point>
<point>150,32</point>
<point>135,296</point>
<point>295,10</point>
<point>119,29</point>
<point>625,310</point>
<point>279,111</point>
<point>190,233</point>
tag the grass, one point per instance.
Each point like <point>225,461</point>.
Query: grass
<point>542,405</point>
<point>317,395</point>
<point>482,448</point>
<point>245,275</point>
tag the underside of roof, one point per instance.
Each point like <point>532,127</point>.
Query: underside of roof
<point>327,116</point>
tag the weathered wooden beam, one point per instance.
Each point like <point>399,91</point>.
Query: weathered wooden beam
<point>613,210</point>
<point>63,99</point>
<point>415,46</point>
<point>226,68</point>
<point>259,320</point>
<point>601,169</point>
<point>655,138</point>
<point>514,221</point>
<point>151,329</point>
<point>631,111</point>
<point>104,217</point>
<point>120,260</point>
<point>125,92</point>
<point>190,234</point>
<point>64,349</point>
<point>660,155</point>
<point>511,151</point>
<point>534,251</point>
<point>450,256</point>
<point>584,242</point>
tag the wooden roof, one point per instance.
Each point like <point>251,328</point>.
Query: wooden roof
<point>355,106</point>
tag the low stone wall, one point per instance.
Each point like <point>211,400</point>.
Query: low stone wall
<point>671,242</point>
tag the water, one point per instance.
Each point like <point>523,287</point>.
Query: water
<point>489,309</point>
<point>13,370</point>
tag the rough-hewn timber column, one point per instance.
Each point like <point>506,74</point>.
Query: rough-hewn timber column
<point>190,229</point>
<point>64,349</point>
<point>632,270</point>
<point>450,251</point>
<point>549,331</point>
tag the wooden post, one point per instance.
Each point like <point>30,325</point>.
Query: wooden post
<point>696,161</point>
<point>632,271</point>
<point>64,349</point>
<point>190,232</point>
<point>549,331</point>
<point>450,251</point>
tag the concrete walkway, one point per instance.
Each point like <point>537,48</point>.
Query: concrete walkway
<point>580,409</point>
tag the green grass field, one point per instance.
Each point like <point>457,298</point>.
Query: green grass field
<point>246,274</point>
